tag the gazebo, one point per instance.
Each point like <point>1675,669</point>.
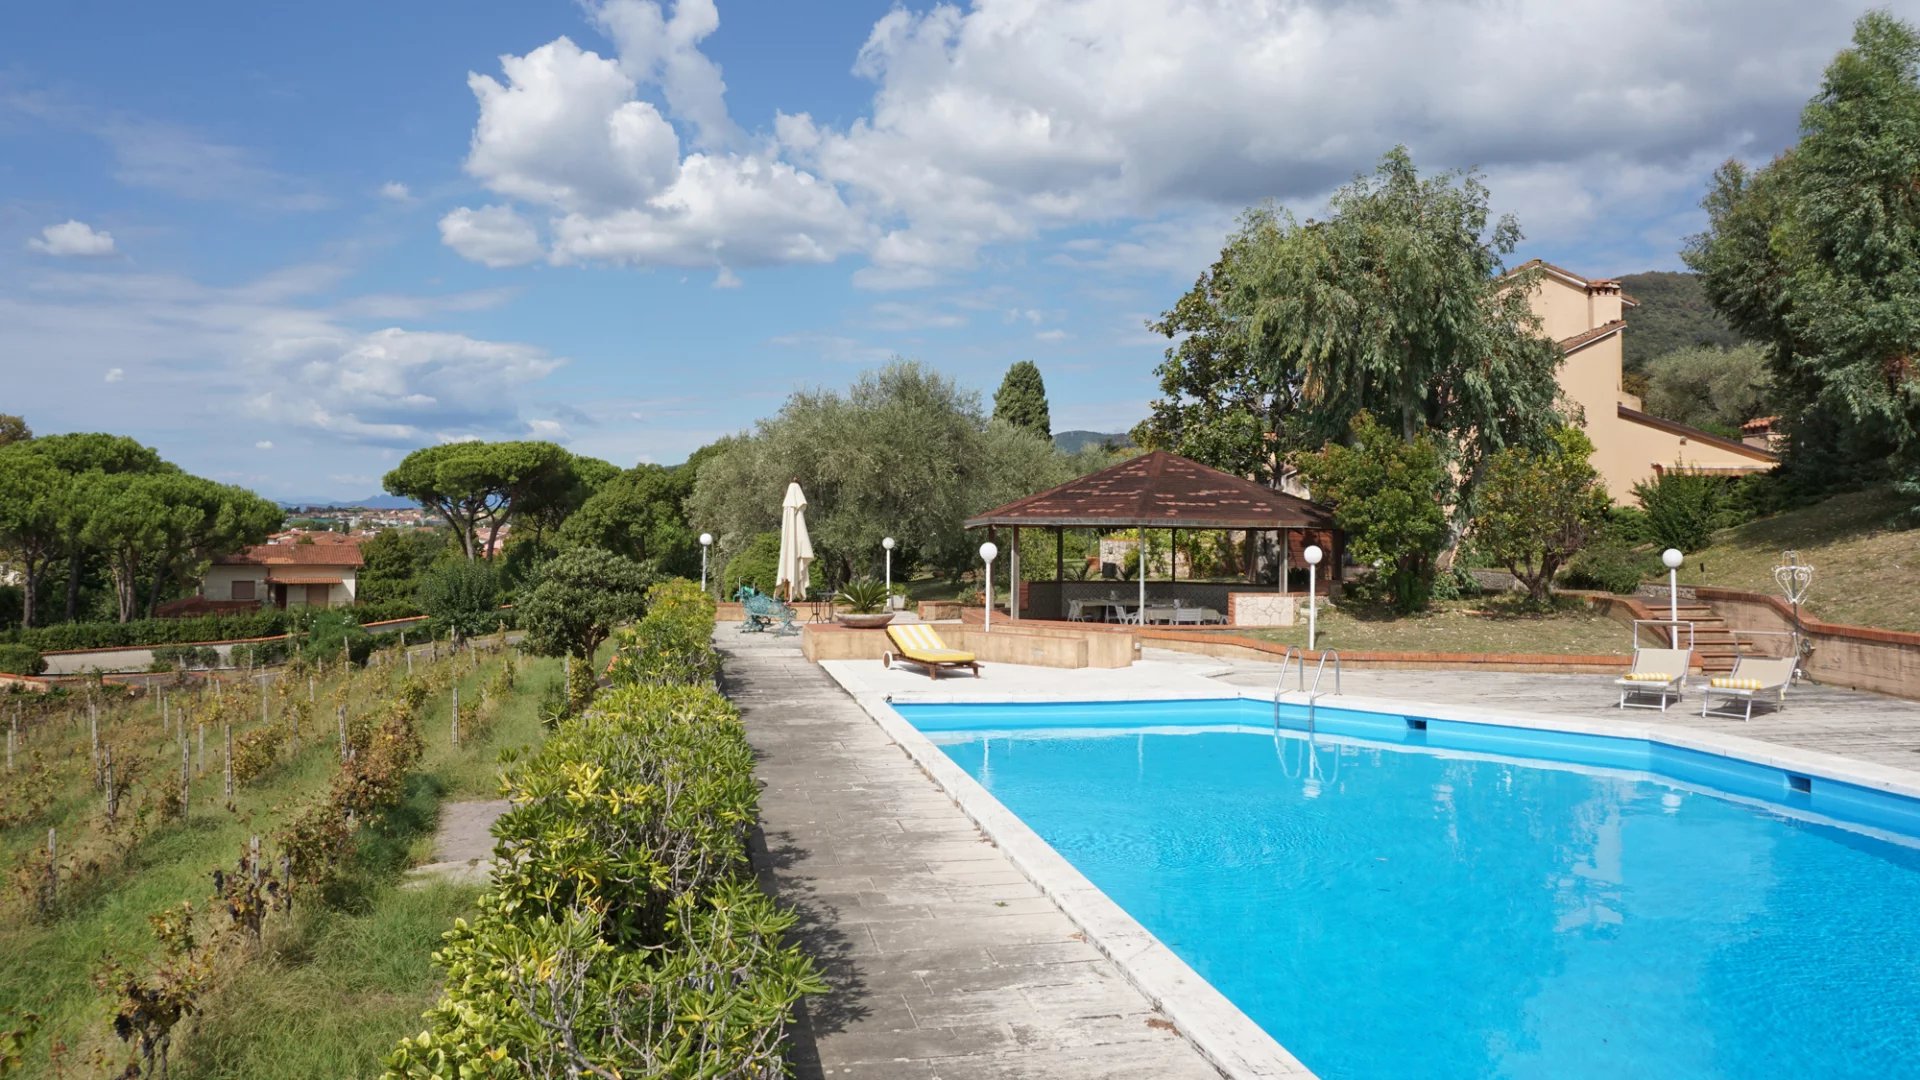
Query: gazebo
<point>1158,490</point>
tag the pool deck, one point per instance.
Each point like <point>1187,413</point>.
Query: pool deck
<point>945,960</point>
<point>948,961</point>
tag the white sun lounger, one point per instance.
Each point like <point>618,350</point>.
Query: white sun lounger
<point>1658,673</point>
<point>1753,678</point>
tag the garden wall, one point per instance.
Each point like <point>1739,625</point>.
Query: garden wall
<point>1857,657</point>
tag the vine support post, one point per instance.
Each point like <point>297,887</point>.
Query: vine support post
<point>113,802</point>
<point>186,779</point>
<point>456,717</point>
<point>13,735</point>
<point>200,764</point>
<point>341,716</point>
<point>229,740</point>
<point>93,739</point>
<point>53,868</point>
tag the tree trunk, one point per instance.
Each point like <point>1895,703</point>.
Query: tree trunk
<point>29,595</point>
<point>160,579</point>
<point>73,585</point>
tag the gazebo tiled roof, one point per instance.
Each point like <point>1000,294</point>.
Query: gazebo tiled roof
<point>1161,491</point>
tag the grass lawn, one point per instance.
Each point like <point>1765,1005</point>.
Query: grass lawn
<point>335,983</point>
<point>1484,625</point>
<point>1866,560</point>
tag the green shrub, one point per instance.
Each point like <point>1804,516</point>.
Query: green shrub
<point>328,630</point>
<point>757,564</point>
<point>672,644</point>
<point>1682,509</point>
<point>186,657</point>
<point>624,933</point>
<point>863,596</point>
<point>462,595</point>
<point>258,654</point>
<point>1611,563</point>
<point>21,660</point>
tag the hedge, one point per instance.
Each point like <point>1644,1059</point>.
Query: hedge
<point>672,645</point>
<point>624,933</point>
<point>258,624</point>
<point>21,660</point>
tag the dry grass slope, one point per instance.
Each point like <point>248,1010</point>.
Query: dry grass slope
<point>1866,558</point>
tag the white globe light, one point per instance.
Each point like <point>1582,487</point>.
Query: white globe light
<point>988,550</point>
<point>1672,558</point>
<point>706,539</point>
<point>887,543</point>
<point>1313,554</point>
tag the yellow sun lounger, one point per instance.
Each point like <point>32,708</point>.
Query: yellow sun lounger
<point>921,644</point>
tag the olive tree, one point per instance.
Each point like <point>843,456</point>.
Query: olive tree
<point>582,595</point>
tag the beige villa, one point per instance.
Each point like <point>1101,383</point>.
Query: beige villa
<point>318,573</point>
<point>1587,318</point>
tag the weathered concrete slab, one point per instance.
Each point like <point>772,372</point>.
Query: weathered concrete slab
<point>463,844</point>
<point>945,960</point>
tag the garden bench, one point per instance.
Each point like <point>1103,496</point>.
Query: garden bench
<point>763,611</point>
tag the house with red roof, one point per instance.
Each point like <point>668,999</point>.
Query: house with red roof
<point>290,571</point>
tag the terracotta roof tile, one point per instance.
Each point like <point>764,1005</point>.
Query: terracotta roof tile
<point>321,553</point>
<point>1579,341</point>
<point>1160,490</point>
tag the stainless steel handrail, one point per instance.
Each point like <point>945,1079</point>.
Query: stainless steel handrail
<point>1320,669</point>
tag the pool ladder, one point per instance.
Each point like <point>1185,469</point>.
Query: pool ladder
<point>1313,692</point>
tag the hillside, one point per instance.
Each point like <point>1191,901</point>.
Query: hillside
<point>1866,564</point>
<point>1075,441</point>
<point>1673,314</point>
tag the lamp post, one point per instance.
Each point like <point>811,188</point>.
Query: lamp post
<point>1314,555</point>
<point>987,551</point>
<point>706,541</point>
<point>1672,558</point>
<point>887,543</point>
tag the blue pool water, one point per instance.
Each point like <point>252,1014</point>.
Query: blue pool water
<point>1393,910</point>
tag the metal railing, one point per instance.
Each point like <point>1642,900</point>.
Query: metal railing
<point>1672,639</point>
<point>1313,692</point>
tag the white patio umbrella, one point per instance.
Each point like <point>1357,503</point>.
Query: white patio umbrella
<point>796,549</point>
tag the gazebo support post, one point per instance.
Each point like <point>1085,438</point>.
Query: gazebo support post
<point>1173,555</point>
<point>1060,571</point>
<point>1141,572</point>
<point>1013,577</point>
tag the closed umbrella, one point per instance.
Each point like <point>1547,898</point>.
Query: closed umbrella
<point>796,550</point>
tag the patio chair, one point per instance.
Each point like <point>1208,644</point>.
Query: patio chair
<point>1753,678</point>
<point>1076,611</point>
<point>1658,673</point>
<point>920,643</point>
<point>1159,613</point>
<point>1197,616</point>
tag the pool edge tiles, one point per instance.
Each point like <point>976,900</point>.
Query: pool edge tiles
<point>1217,1028</point>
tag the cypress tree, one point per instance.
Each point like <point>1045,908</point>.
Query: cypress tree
<point>1022,400</point>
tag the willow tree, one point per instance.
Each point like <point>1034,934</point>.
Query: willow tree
<point>1817,256</point>
<point>1397,305</point>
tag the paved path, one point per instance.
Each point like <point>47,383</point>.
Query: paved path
<point>463,842</point>
<point>945,961</point>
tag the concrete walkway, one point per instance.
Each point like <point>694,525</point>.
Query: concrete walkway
<point>945,961</point>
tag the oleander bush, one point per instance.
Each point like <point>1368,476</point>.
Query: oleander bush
<point>624,934</point>
<point>672,645</point>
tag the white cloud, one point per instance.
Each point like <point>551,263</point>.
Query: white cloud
<point>492,236</point>
<point>263,444</point>
<point>72,238</point>
<point>396,191</point>
<point>277,350</point>
<point>726,279</point>
<point>657,49</point>
<point>1052,335</point>
<point>999,121</point>
<point>566,130</point>
<point>550,430</point>
<point>894,315</point>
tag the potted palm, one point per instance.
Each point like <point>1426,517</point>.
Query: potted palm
<point>863,605</point>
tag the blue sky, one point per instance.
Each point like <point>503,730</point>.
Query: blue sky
<point>285,244</point>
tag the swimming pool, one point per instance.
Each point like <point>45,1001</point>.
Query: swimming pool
<point>1395,898</point>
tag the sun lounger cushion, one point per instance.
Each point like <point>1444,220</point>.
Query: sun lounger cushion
<point>1728,682</point>
<point>1648,676</point>
<point>920,642</point>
